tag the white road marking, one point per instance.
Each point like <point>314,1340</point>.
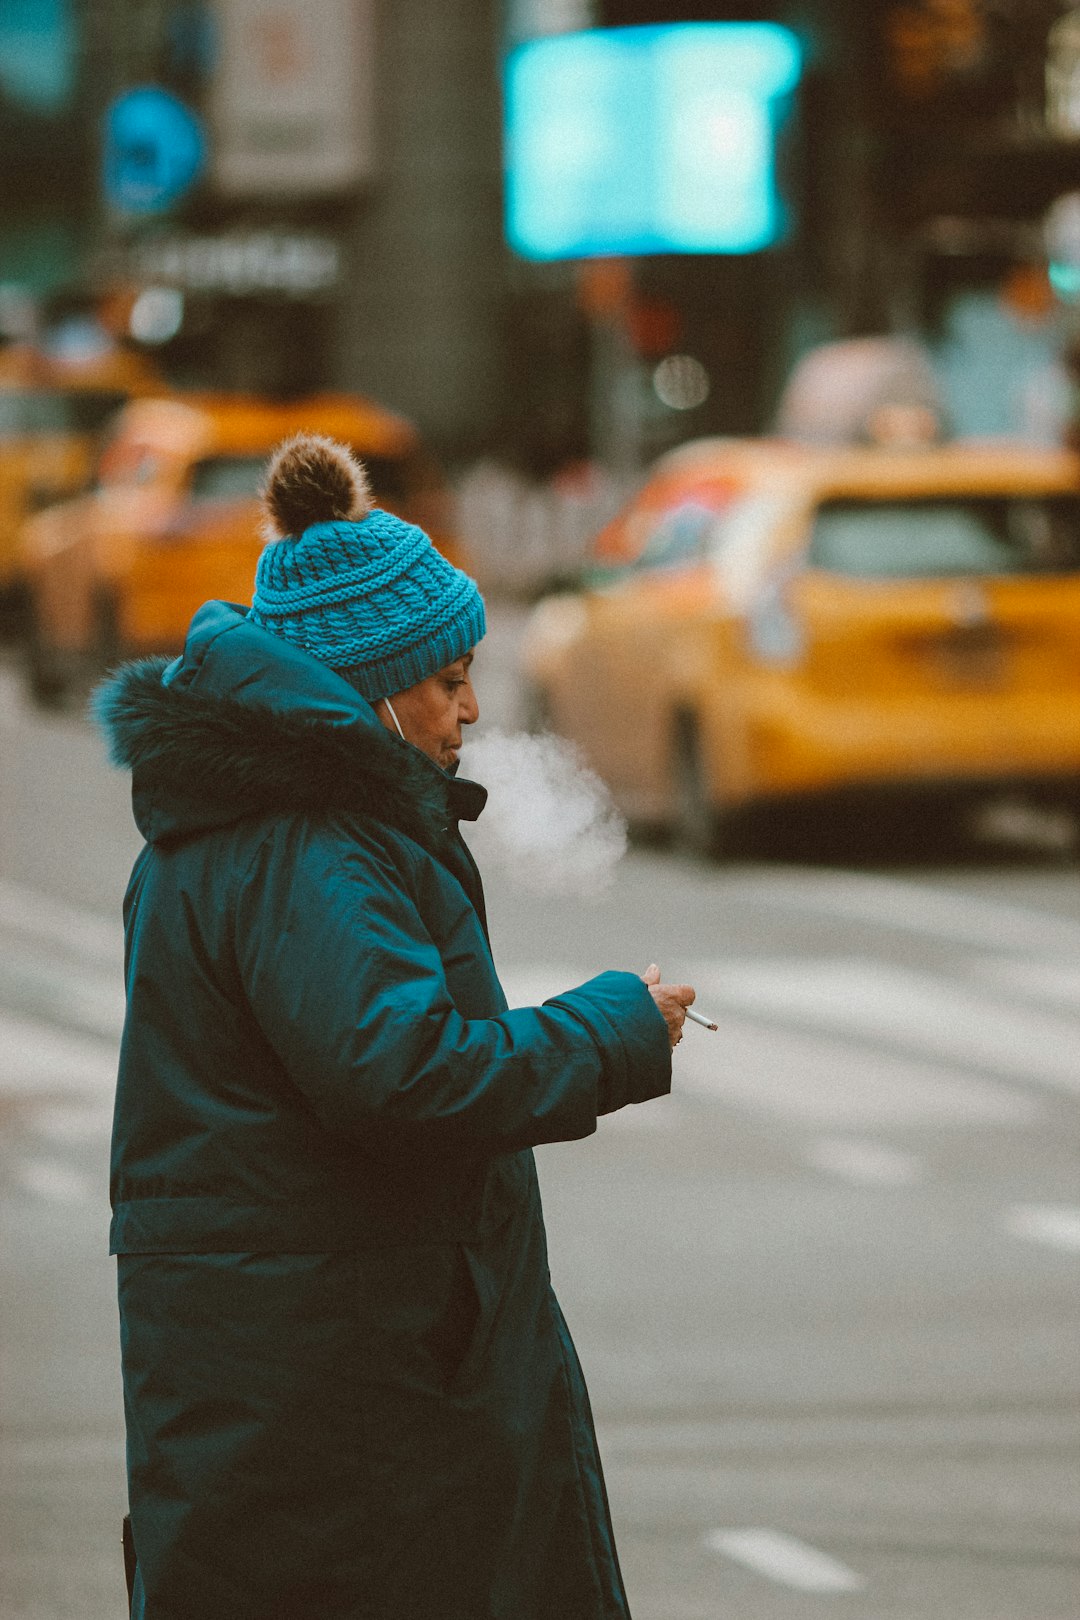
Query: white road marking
<point>36,1058</point>
<point>59,924</point>
<point>528,984</point>
<point>916,1011</point>
<point>786,1560</point>
<point>63,993</point>
<point>1009,820</point>
<point>818,1080</point>
<point>791,1435</point>
<point>55,1182</point>
<point>865,1163</point>
<point>11,696</point>
<point>810,1078</point>
<point>70,1124</point>
<point>658,1114</point>
<point>1055,983</point>
<point>923,909</point>
<point>57,1453</point>
<point>1055,1224</point>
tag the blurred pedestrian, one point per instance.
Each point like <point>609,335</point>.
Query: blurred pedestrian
<point>349,1389</point>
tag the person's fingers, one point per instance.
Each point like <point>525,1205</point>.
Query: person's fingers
<point>651,974</point>
<point>685,993</point>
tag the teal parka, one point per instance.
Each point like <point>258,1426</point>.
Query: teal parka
<point>349,1391</point>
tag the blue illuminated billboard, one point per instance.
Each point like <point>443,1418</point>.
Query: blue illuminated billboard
<point>647,140</point>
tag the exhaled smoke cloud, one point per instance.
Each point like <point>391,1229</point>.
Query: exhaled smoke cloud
<point>549,825</point>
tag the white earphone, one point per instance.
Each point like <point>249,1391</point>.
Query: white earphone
<point>394,718</point>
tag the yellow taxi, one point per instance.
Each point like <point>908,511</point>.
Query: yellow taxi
<point>47,443</point>
<point>768,623</point>
<point>51,418</point>
<point>173,520</point>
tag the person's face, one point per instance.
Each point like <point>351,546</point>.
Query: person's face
<point>432,713</point>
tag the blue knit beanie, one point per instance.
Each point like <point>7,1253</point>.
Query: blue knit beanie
<point>356,587</point>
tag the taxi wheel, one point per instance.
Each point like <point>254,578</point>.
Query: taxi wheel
<point>46,680</point>
<point>14,606</point>
<point>535,709</point>
<point>699,823</point>
<point>106,650</point>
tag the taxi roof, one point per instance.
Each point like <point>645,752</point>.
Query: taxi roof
<point>962,466</point>
<point>243,424</point>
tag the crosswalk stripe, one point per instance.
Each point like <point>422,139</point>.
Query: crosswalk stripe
<point>911,1010</point>
<point>818,1080</point>
<point>1057,1225</point>
<point>73,929</point>
<point>1055,984</point>
<point>70,1123</point>
<point>37,1058</point>
<point>813,1078</point>
<point>72,994</point>
<point>868,1164</point>
<point>54,1182</point>
<point>786,1560</point>
<point>528,984</point>
<point>921,908</point>
<point>836,1043</point>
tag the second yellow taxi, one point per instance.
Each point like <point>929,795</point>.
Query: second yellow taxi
<point>173,520</point>
<point>768,623</point>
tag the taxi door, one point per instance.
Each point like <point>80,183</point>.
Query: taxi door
<point>617,685</point>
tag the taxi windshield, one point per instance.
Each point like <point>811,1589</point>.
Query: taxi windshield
<point>28,412</point>
<point>238,478</point>
<point>909,539</point>
<point>227,478</point>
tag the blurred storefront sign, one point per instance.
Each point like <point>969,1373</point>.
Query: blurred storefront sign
<point>931,43</point>
<point>868,390</point>
<point>532,19</point>
<point>647,140</point>
<point>286,264</point>
<point>292,97</point>
<point>1062,231</point>
<point>38,53</point>
<point>1063,76</point>
<point>155,150</point>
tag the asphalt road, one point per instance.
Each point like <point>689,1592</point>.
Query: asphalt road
<point>827,1295</point>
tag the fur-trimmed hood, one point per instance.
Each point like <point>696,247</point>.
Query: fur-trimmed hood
<point>244,724</point>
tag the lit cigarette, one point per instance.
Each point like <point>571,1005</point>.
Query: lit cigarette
<point>699,1018</point>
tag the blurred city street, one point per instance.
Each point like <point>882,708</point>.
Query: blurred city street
<point>732,349</point>
<point>826,1294</point>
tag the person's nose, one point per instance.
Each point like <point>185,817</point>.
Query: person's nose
<point>470,709</point>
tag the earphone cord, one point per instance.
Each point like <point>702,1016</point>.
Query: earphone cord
<point>394,718</point>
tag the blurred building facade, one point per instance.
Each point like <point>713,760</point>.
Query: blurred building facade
<point>346,230</point>
<point>927,142</point>
<point>376,266</point>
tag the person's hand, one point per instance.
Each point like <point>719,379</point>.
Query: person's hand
<point>672,1000</point>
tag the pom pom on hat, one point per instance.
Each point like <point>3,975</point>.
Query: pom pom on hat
<point>312,479</point>
<point>358,588</point>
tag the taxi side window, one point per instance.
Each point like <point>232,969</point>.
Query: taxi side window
<point>678,538</point>
<point>12,416</point>
<point>393,478</point>
<point>933,538</point>
<point>125,461</point>
<point>742,542</point>
<point>1046,533</point>
<point>23,414</point>
<point>227,478</point>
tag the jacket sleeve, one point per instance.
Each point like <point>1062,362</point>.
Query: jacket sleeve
<point>348,987</point>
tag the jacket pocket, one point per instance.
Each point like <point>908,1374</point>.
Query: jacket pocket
<point>425,1313</point>
<point>456,1338</point>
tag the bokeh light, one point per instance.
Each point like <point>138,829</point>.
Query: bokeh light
<point>681,382</point>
